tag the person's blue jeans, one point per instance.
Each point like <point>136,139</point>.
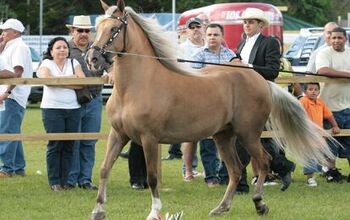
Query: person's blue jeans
<point>84,150</point>
<point>343,121</point>
<point>314,167</point>
<point>11,152</point>
<point>214,170</point>
<point>59,154</point>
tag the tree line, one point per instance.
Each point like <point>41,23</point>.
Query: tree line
<point>56,12</point>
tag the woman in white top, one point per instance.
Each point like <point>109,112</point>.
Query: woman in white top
<point>60,110</point>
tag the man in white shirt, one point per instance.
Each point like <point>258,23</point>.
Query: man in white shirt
<point>311,67</point>
<point>195,38</point>
<point>18,57</point>
<point>333,61</point>
<point>3,66</point>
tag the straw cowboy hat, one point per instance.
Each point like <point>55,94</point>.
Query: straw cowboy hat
<point>255,13</point>
<point>81,21</point>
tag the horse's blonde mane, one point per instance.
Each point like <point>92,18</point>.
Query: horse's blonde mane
<point>164,43</point>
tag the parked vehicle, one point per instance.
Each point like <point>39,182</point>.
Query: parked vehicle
<point>36,91</point>
<point>106,92</point>
<point>300,50</point>
<point>227,14</point>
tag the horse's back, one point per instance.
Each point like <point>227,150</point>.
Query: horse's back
<point>245,82</point>
<point>250,96</point>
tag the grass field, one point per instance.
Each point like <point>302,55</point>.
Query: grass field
<point>30,198</point>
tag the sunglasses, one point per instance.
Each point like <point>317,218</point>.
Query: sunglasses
<point>83,30</point>
<point>195,26</point>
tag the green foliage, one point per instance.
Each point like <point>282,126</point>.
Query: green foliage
<point>313,11</point>
<point>30,197</point>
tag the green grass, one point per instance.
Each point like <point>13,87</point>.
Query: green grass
<point>30,198</point>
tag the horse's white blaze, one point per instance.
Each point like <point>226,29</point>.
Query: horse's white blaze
<point>98,36</point>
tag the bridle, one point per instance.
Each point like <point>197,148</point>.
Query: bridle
<point>115,31</point>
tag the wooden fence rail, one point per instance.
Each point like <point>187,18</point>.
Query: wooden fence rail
<point>93,136</point>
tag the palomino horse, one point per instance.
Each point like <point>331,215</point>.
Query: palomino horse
<point>157,101</point>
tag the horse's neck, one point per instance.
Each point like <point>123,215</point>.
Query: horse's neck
<point>134,72</point>
<point>138,66</point>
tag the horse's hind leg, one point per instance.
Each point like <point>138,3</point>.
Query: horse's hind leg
<point>255,149</point>
<point>225,142</point>
<point>114,146</point>
<point>150,148</point>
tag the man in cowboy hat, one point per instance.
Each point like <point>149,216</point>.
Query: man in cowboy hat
<point>262,53</point>
<point>84,150</point>
<point>256,50</point>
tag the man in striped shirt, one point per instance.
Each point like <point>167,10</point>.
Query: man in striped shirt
<point>213,52</point>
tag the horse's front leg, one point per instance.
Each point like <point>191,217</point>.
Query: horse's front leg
<point>150,147</point>
<point>116,141</point>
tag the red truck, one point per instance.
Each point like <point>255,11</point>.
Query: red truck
<point>227,14</point>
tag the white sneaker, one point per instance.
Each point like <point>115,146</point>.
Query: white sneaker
<point>195,173</point>
<point>268,182</point>
<point>325,169</point>
<point>311,182</point>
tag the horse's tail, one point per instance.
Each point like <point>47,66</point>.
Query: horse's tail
<point>294,131</point>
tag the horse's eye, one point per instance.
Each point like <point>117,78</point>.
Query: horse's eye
<point>113,29</point>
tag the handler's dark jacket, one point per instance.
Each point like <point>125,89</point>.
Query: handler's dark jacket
<point>265,56</point>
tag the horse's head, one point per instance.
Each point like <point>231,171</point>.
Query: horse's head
<point>110,36</point>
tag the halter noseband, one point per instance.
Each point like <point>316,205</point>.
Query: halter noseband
<point>114,34</point>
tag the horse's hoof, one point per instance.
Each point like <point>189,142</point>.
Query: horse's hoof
<point>98,215</point>
<point>262,210</point>
<point>218,211</point>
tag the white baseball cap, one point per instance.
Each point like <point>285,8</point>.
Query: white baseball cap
<point>12,24</point>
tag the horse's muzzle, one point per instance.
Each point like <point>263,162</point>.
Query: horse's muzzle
<point>95,60</point>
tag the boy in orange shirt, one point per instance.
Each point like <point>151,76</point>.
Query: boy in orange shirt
<point>317,111</point>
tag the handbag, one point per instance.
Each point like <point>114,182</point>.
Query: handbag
<point>83,95</point>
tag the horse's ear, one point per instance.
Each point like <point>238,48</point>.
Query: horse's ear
<point>104,5</point>
<point>121,5</point>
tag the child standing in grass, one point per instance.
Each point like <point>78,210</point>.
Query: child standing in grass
<point>317,112</point>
